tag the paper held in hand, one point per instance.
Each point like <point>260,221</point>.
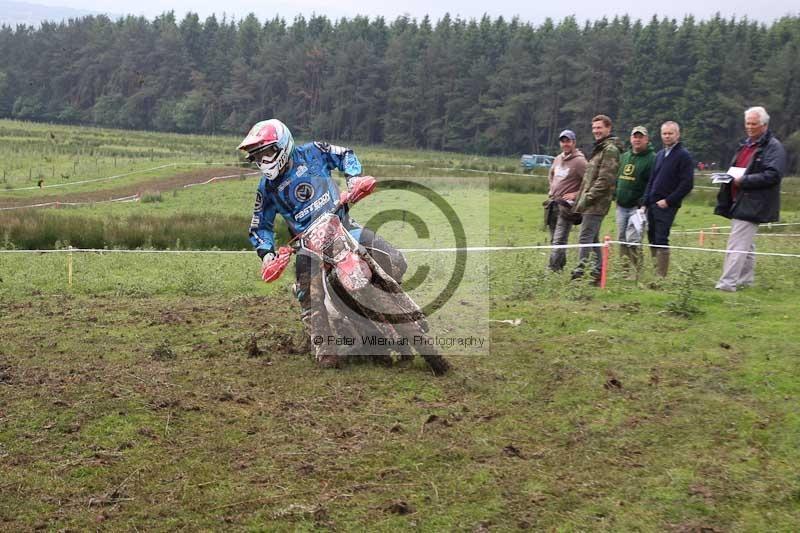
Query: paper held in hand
<point>727,177</point>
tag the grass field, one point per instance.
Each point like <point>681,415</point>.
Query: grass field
<point>61,156</point>
<point>136,400</point>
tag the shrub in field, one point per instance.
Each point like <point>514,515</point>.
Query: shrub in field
<point>6,243</point>
<point>688,280</point>
<point>149,197</point>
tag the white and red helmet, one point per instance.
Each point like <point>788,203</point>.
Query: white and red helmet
<point>269,145</point>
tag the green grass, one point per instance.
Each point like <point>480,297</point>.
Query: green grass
<point>61,156</point>
<point>697,434</point>
<point>602,410</point>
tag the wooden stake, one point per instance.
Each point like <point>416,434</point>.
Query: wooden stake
<point>604,262</point>
<point>69,267</point>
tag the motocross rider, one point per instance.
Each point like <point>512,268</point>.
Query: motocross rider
<point>296,182</point>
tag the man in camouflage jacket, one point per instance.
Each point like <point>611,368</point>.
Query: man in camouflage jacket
<point>596,193</point>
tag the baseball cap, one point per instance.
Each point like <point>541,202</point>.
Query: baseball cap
<point>569,134</point>
<point>640,129</point>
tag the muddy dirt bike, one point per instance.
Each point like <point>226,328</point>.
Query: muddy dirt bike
<point>367,310</point>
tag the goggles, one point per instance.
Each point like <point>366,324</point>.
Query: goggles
<point>265,154</point>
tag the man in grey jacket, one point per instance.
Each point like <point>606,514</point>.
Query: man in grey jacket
<point>751,198</point>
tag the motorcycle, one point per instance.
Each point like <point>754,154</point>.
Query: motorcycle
<point>367,310</point>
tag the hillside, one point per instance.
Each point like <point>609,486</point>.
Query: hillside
<point>14,13</point>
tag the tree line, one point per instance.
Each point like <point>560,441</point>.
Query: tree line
<point>488,86</point>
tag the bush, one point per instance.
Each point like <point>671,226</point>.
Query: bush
<point>149,197</point>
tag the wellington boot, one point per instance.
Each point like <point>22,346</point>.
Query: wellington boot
<point>631,260</point>
<point>625,255</point>
<point>636,262</point>
<point>662,262</point>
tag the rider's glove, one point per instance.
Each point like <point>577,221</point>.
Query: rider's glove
<point>272,266</point>
<point>267,258</point>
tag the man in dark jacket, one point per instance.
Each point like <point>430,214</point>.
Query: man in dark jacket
<point>635,167</point>
<point>751,198</point>
<point>672,179</point>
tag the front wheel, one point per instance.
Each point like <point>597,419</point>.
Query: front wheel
<point>394,303</point>
<point>425,346</point>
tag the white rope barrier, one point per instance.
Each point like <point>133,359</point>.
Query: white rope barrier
<point>503,248</point>
<point>404,250</point>
<point>697,249</point>
<point>431,250</point>
<point>717,188</point>
<point>215,178</point>
<point>765,225</point>
<point>124,199</point>
<point>102,251</point>
<point>728,233</point>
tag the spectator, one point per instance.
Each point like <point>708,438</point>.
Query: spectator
<point>750,199</point>
<point>565,181</point>
<point>635,166</point>
<point>672,179</point>
<point>597,189</point>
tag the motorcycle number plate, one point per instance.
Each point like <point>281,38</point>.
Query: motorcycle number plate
<point>322,234</point>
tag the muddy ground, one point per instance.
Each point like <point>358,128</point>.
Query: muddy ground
<point>119,412</point>
<point>205,413</point>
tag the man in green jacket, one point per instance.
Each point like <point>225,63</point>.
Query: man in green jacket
<point>635,166</point>
<point>597,190</point>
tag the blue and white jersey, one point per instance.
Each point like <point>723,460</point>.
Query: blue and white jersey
<point>301,193</point>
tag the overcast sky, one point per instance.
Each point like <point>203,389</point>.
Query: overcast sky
<point>761,10</point>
